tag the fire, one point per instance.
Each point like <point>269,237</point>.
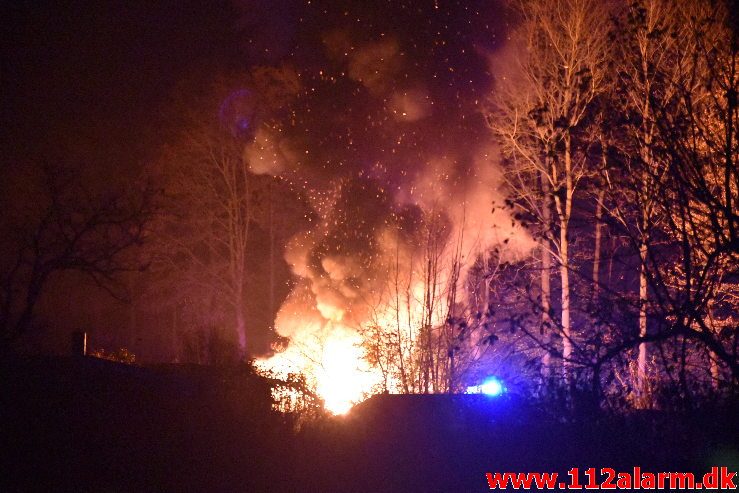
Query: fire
<point>332,360</point>
<point>342,379</point>
<point>373,293</point>
<point>330,354</point>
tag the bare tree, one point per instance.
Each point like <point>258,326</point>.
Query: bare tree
<point>698,145</point>
<point>429,325</point>
<point>648,34</point>
<point>67,227</point>
<point>406,337</point>
<point>210,210</point>
<point>539,110</point>
<point>676,155</point>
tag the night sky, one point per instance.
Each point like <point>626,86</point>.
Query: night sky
<point>77,75</point>
<point>89,78</point>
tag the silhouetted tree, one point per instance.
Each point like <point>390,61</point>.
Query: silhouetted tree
<point>64,226</point>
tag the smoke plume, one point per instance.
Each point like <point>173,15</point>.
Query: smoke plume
<point>384,143</point>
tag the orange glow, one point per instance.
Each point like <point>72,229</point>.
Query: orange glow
<point>330,355</point>
<point>332,361</point>
<point>348,335</point>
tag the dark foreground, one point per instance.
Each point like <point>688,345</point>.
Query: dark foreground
<point>91,425</point>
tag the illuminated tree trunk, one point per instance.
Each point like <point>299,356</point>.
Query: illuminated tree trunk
<point>237,178</point>
<point>715,367</point>
<point>562,73</point>
<point>599,226</point>
<point>546,266</point>
<point>566,331</point>
<point>271,255</point>
<point>643,298</point>
<point>597,247</point>
<point>449,342</point>
<point>563,199</point>
<point>398,330</point>
<point>644,227</point>
<point>650,70</point>
<point>241,328</point>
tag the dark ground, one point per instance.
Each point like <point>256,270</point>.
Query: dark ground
<point>83,424</point>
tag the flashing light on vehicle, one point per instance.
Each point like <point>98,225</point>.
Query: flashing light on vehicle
<point>492,387</point>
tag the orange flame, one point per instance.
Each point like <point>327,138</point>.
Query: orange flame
<point>332,361</point>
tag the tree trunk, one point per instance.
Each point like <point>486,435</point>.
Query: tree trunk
<point>597,247</point>
<point>546,265</point>
<point>271,256</point>
<point>564,273</point>
<point>715,370</point>
<point>564,268</point>
<point>642,359</point>
<point>398,334</point>
<point>241,329</point>
<point>611,254</point>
